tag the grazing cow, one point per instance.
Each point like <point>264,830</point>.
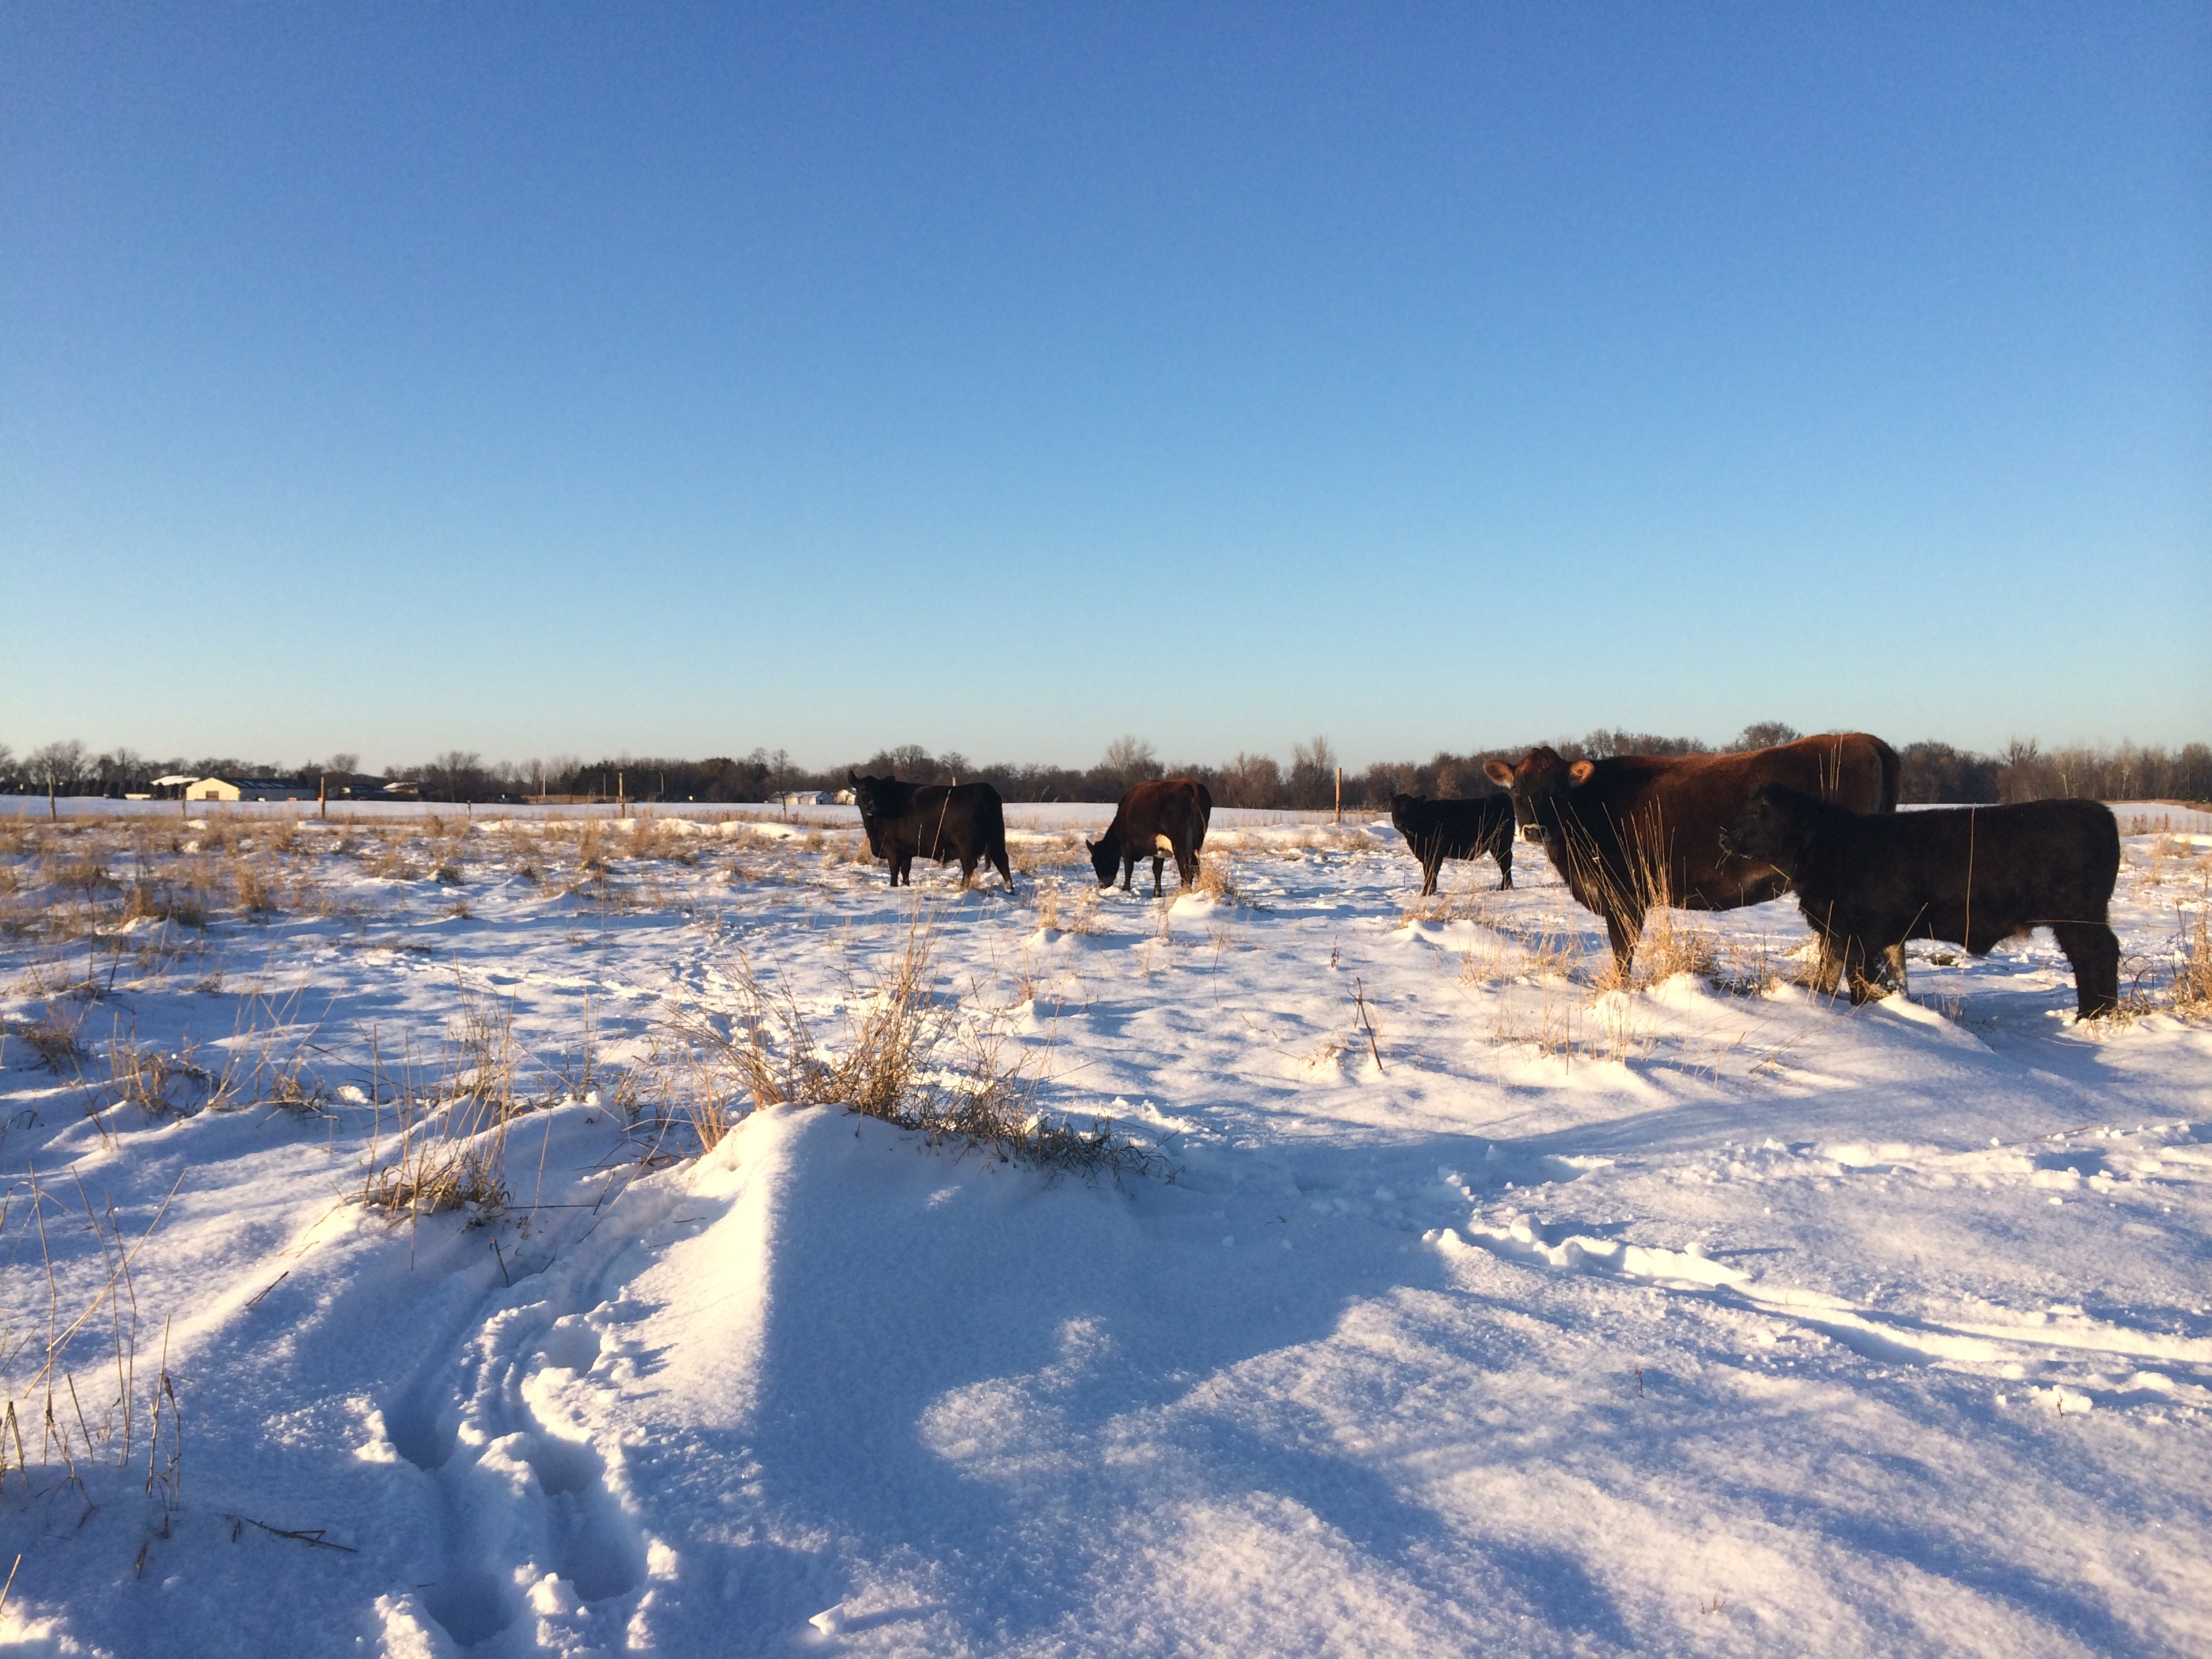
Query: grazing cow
<point>944,821</point>
<point>1632,832</point>
<point>1439,830</point>
<point>1973,875</point>
<point>1164,816</point>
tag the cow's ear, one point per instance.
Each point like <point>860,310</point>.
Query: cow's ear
<point>1089,845</point>
<point>1580,770</point>
<point>1498,773</point>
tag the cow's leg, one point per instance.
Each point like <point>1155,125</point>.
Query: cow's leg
<point>1505,856</point>
<point>1860,955</point>
<point>1128,871</point>
<point>1429,868</point>
<point>998,860</point>
<point>967,869</point>
<point>2094,951</point>
<point>1624,928</point>
<point>1158,863</point>
<point>1187,869</point>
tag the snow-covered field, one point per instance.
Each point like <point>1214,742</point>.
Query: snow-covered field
<point>1463,1302</point>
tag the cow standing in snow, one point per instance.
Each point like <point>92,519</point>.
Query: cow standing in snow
<point>944,821</point>
<point>1972,875</point>
<point>1633,832</point>
<point>1439,830</point>
<point>1166,816</point>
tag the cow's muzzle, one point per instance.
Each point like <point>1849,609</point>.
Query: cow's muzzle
<point>1534,834</point>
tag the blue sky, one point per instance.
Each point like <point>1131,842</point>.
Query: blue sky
<point>532,380</point>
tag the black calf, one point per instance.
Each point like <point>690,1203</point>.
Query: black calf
<point>1973,875</point>
<point>1439,830</point>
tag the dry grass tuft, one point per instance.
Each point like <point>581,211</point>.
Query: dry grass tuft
<point>53,1038</point>
<point>386,860</point>
<point>152,901</point>
<point>256,885</point>
<point>1032,855</point>
<point>85,875</point>
<point>1061,908</point>
<point>452,1124</point>
<point>910,1058</point>
<point>150,1080</point>
<point>1744,969</point>
<point>1217,879</point>
<point>1462,904</point>
<point>1669,947</point>
<point>2190,990</point>
<point>1549,949</point>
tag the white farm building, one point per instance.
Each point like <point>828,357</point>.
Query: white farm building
<point>247,789</point>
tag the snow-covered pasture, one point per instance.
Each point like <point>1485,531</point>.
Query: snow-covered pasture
<point>1468,1297</point>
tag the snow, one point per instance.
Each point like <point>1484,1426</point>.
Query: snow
<point>1467,1303</point>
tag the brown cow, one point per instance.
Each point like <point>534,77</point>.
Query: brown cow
<point>1166,815</point>
<point>1635,831</point>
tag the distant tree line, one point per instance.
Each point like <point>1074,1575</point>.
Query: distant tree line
<point>1930,771</point>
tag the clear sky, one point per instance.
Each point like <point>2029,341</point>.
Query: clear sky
<point>530,379</point>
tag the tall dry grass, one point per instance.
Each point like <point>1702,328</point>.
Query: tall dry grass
<point>449,1118</point>
<point>910,1056</point>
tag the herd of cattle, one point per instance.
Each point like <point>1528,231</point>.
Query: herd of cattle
<point>1632,833</point>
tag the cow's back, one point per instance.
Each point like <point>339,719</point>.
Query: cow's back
<point>1178,808</point>
<point>949,818</point>
<point>1658,818</point>
<point>2029,861</point>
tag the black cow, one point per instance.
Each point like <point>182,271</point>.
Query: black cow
<point>1165,815</point>
<point>1439,830</point>
<point>940,821</point>
<point>1973,875</point>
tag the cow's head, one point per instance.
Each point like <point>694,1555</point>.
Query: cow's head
<point>1772,828</point>
<point>1400,805</point>
<point>1105,856</point>
<point>1540,785</point>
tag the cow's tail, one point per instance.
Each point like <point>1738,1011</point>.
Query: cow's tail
<point>1205,814</point>
<point>1890,768</point>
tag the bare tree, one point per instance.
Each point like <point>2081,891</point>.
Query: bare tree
<point>1313,773</point>
<point>1252,781</point>
<point>1766,734</point>
<point>1132,757</point>
<point>57,766</point>
<point>457,774</point>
